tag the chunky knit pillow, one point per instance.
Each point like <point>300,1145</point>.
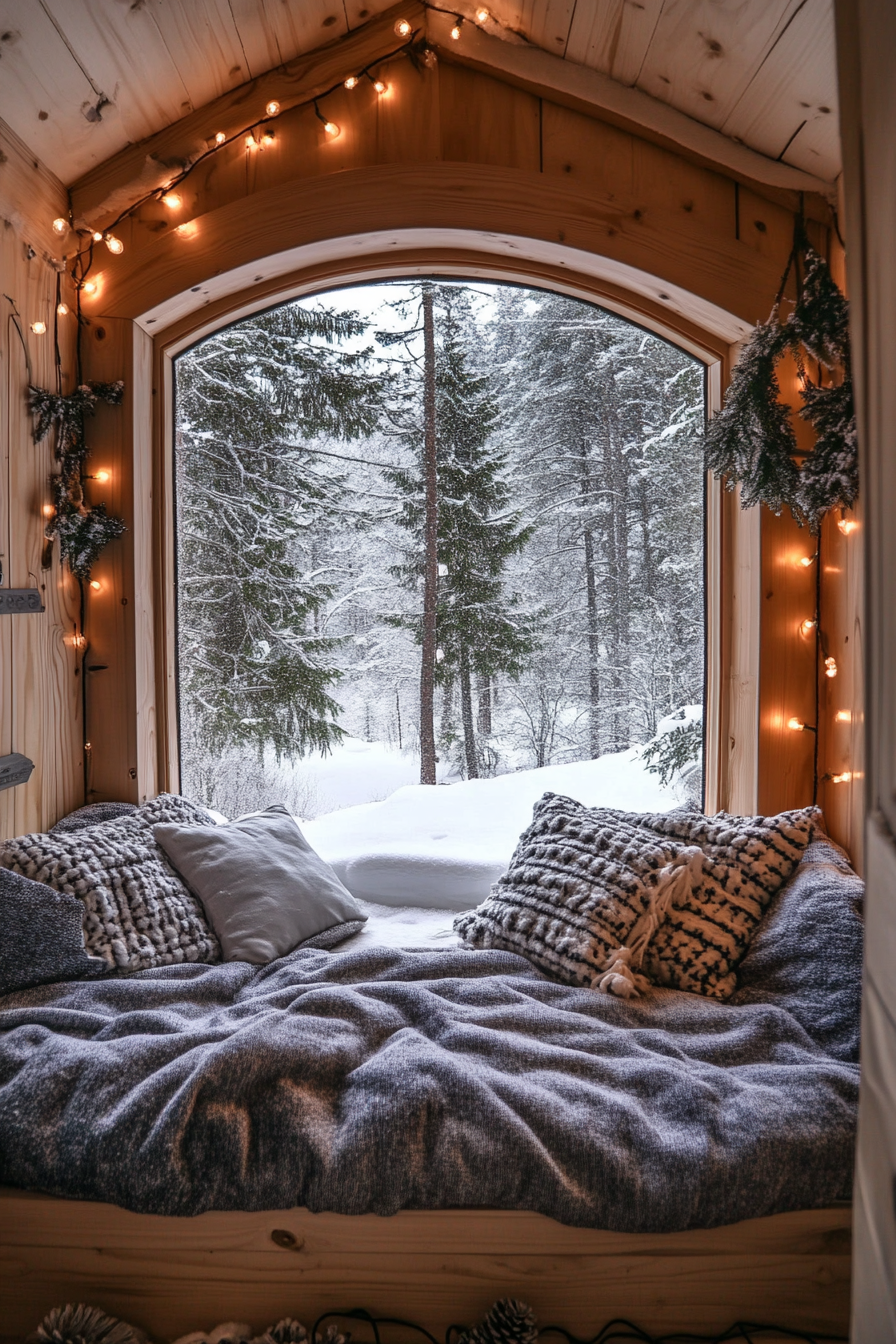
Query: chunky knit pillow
<point>598,897</point>
<point>138,913</point>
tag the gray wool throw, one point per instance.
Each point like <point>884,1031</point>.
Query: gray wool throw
<point>615,900</point>
<point>137,911</point>
<point>375,1080</point>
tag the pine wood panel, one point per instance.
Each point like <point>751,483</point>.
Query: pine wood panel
<point>434,1267</point>
<point>787,665</point>
<point>792,90</point>
<point>484,121</point>
<point>703,54</point>
<point>39,688</point>
<point>613,37</point>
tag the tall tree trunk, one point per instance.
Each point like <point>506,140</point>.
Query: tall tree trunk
<point>430,547</point>
<point>485,705</point>
<point>591,607</point>
<point>466,711</point>
<point>398,715</point>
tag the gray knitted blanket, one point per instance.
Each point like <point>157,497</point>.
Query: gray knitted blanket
<point>378,1080</point>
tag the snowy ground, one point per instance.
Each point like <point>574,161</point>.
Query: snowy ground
<point>443,847</point>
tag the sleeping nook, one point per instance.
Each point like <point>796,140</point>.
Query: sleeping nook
<point>447,707</point>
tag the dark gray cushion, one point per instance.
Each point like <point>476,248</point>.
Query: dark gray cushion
<point>91,815</point>
<point>806,954</point>
<point>264,889</point>
<point>41,935</point>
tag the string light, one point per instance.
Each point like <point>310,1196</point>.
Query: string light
<point>272,108</point>
<point>843,716</point>
<point>806,561</point>
<point>97,237</point>
<point>403,28</point>
<point>330,127</point>
<point>89,287</point>
<point>95,585</point>
<point>172,200</point>
<point>482,16</point>
<point>841,779</point>
<point>846,525</point>
<point>102,475</point>
<point>267,139</point>
<point>807,627</point>
<point>60,226</point>
<point>830,667</point>
<point>48,511</point>
<point>352,82</point>
<point>220,138</point>
<point>796,725</point>
<point>115,245</point>
<point>62,309</point>
<point>380,87</point>
<point>455,31</point>
<point>188,229</point>
<point>251,142</point>
<point>38,328</point>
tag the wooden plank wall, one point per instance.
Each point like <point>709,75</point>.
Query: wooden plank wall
<point>40,703</point>
<point>608,191</point>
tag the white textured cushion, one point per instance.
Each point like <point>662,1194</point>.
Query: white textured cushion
<point>137,912</point>
<point>264,889</point>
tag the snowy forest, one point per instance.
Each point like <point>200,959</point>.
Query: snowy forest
<point>430,531</point>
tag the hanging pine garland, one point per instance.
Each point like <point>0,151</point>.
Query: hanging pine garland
<point>751,442</point>
<point>83,532</point>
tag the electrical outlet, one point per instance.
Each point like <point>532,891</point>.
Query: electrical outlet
<point>19,601</point>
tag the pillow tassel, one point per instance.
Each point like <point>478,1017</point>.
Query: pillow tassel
<point>673,883</point>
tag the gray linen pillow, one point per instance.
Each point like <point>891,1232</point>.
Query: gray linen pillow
<point>264,889</point>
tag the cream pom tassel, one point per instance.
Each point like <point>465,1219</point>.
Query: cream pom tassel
<point>621,975</point>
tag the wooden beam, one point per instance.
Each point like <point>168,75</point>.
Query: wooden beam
<point>126,177</point>
<point>597,95</point>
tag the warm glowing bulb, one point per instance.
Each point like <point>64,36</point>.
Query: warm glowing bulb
<point>331,129</point>
<point>842,779</point>
<point>267,139</point>
<point>251,142</point>
<point>115,245</point>
<point>843,716</point>
<point>380,86</point>
<point>48,511</point>
<point>220,138</point>
<point>60,226</point>
<point>62,309</point>
<point>807,627</point>
<point>89,286</point>
<point>351,82</point>
<point>188,229</point>
<point>455,31</point>
<point>482,16</point>
<point>830,667</point>
<point>38,328</point>
<point>102,476</point>
<point>796,724</point>
<point>172,200</point>
<point>97,237</point>
<point>403,28</point>
<point>95,585</point>
<point>847,525</point>
<point>806,561</point>
<point>272,108</point>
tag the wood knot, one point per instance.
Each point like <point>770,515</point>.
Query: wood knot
<point>287,1240</point>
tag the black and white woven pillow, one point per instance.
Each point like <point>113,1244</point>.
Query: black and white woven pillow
<point>138,913</point>
<point>605,898</point>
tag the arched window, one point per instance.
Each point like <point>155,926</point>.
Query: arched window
<point>435,531</point>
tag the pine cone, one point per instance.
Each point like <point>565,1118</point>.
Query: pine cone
<point>287,1331</point>
<point>510,1321</point>
<point>80,1324</point>
<point>332,1336</point>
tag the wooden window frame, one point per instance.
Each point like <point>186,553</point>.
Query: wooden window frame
<point>731,536</point>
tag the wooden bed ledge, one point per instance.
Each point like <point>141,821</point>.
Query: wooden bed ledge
<point>171,1275</point>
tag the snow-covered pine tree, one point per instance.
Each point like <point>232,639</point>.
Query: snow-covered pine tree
<point>253,668</point>
<point>482,629</point>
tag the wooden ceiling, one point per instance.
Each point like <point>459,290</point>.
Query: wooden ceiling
<point>81,79</point>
